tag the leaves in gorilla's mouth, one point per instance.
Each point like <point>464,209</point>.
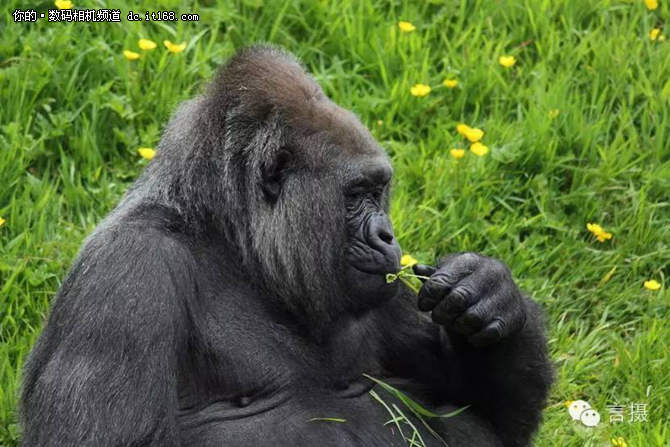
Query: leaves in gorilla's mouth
<point>405,276</point>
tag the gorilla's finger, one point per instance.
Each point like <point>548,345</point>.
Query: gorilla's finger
<point>459,299</point>
<point>470,322</point>
<point>435,289</point>
<point>424,270</point>
<point>452,270</point>
<point>466,293</point>
<point>461,264</point>
<point>478,316</point>
<point>490,335</point>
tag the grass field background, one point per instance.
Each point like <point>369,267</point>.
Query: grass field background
<point>74,111</point>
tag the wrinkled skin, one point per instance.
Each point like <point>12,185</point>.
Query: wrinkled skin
<point>372,250</point>
<point>473,296</point>
<point>237,296</point>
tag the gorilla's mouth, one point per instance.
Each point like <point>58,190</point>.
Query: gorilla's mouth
<point>372,262</point>
<point>367,282</point>
<point>376,271</point>
<point>373,249</point>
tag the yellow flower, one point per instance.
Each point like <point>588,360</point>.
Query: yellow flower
<point>63,4</point>
<point>147,152</point>
<point>653,34</point>
<point>450,83</point>
<point>553,113</point>
<point>594,228</point>
<point>651,4</point>
<point>131,55</point>
<point>619,442</point>
<point>420,90</point>
<point>568,403</point>
<point>2,221</point>
<point>474,135</point>
<point>174,48</point>
<point>406,27</point>
<point>602,237</point>
<point>408,261</point>
<point>457,153</point>
<point>146,44</point>
<point>463,129</point>
<point>598,232</point>
<point>479,149</point>
<point>652,284</point>
<point>507,61</point>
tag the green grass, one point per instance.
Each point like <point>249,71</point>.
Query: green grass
<point>73,112</point>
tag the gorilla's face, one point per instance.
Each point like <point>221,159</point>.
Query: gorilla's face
<point>325,223</point>
<point>307,185</point>
<point>372,250</point>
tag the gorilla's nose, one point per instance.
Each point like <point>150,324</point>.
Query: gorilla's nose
<point>380,238</point>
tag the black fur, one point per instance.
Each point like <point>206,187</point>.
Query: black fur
<point>237,292</point>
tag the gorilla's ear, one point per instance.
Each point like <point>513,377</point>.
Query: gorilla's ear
<point>273,174</point>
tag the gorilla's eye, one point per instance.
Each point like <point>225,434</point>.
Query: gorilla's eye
<point>372,183</point>
<point>274,173</point>
<point>377,194</point>
<point>365,190</point>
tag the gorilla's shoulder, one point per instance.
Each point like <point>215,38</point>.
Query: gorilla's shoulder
<point>153,229</point>
<point>151,216</point>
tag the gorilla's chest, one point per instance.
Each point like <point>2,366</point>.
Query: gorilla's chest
<point>252,356</point>
<point>250,351</point>
<point>267,384</point>
<point>302,416</point>
<point>257,382</point>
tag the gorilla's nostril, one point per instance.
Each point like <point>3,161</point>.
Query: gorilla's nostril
<point>379,237</point>
<point>386,237</point>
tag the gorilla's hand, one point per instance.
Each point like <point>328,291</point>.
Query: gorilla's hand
<point>474,296</point>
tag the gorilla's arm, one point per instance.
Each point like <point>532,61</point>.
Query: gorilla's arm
<point>506,383</point>
<point>104,370</point>
<point>489,341</point>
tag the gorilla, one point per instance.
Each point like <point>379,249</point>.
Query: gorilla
<point>237,296</point>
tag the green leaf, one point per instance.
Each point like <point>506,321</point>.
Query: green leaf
<point>412,404</point>
<point>328,420</point>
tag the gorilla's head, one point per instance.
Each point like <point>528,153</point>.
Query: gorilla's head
<point>297,183</point>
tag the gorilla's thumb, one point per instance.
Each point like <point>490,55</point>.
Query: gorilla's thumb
<point>424,270</point>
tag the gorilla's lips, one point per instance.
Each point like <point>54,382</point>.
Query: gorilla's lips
<point>368,286</point>
<point>375,262</point>
<point>384,270</point>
